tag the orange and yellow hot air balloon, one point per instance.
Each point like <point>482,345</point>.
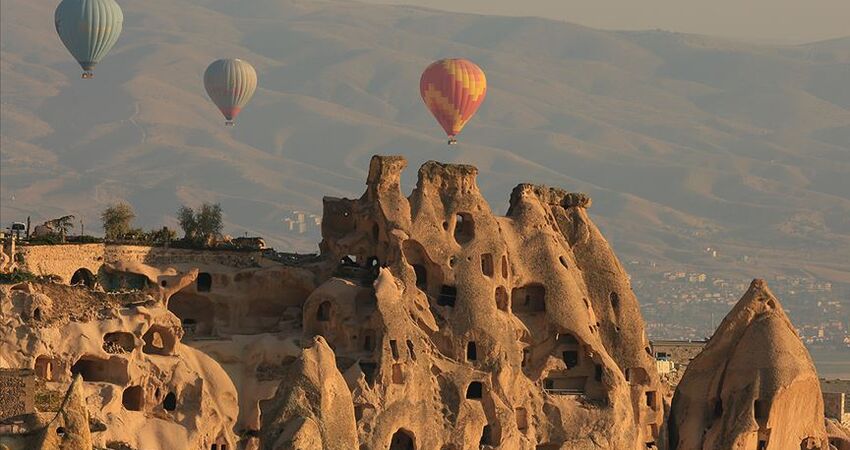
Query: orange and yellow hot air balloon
<point>453,89</point>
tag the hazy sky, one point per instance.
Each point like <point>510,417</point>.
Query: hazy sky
<point>783,21</point>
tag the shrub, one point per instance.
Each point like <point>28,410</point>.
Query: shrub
<point>84,239</point>
<point>21,276</point>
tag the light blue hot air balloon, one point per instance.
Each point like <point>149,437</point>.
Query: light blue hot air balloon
<point>88,28</point>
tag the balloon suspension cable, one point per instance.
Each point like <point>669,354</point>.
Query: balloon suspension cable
<point>452,140</point>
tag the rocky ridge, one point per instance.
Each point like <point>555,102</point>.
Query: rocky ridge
<point>427,322</point>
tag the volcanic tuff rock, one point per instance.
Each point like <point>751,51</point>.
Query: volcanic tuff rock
<point>839,436</point>
<point>753,386</point>
<point>130,370</point>
<point>314,403</point>
<point>428,322</point>
<point>453,326</point>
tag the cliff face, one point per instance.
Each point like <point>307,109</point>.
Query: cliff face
<point>753,387</point>
<point>131,373</point>
<point>454,326</point>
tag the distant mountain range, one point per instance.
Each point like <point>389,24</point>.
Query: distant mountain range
<point>684,142</point>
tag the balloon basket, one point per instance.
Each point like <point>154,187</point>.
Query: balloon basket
<point>452,141</point>
<point>229,123</point>
<point>87,75</point>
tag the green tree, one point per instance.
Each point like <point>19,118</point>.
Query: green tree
<point>203,226</point>
<point>116,219</point>
<point>186,218</point>
<point>62,225</point>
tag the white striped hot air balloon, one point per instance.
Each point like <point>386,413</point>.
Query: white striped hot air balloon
<point>88,28</point>
<point>230,83</point>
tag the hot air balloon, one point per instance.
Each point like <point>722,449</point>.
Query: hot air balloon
<point>453,89</point>
<point>88,28</point>
<point>230,83</point>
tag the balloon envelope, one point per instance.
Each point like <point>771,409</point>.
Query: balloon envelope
<point>230,83</point>
<point>453,89</point>
<point>88,28</point>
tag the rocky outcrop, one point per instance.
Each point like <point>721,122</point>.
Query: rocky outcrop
<point>454,327</point>
<point>427,322</point>
<point>131,372</point>
<point>313,407</point>
<point>754,386</point>
<point>839,435</point>
<point>69,429</point>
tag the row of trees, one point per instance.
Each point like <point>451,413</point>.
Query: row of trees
<point>201,227</point>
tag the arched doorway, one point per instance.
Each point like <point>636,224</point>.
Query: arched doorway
<point>83,277</point>
<point>204,282</point>
<point>323,313</point>
<point>402,440</point>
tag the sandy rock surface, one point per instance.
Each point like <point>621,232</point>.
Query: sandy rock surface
<point>427,322</point>
<point>753,386</point>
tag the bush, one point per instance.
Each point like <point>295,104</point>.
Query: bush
<point>49,239</point>
<point>21,276</point>
<point>134,235</point>
<point>160,236</point>
<point>84,239</point>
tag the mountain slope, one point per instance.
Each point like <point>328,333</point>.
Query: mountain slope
<point>683,141</point>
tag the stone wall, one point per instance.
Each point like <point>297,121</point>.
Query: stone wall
<point>16,392</point>
<point>835,394</point>
<point>833,405</point>
<point>65,259</point>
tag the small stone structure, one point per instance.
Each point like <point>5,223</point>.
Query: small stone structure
<point>679,352</point>
<point>836,396</point>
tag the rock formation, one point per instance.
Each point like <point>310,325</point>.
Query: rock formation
<point>839,436</point>
<point>427,322</point>
<point>754,386</point>
<point>313,409</point>
<point>130,369</point>
<point>455,327</point>
<point>70,426</point>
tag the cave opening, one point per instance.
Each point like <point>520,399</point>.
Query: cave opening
<point>83,277</point>
<point>475,390</point>
<point>133,398</point>
<point>402,440</point>
<point>471,351</point>
<point>204,282</point>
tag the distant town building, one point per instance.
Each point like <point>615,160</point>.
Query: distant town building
<point>300,222</point>
<point>680,353</point>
